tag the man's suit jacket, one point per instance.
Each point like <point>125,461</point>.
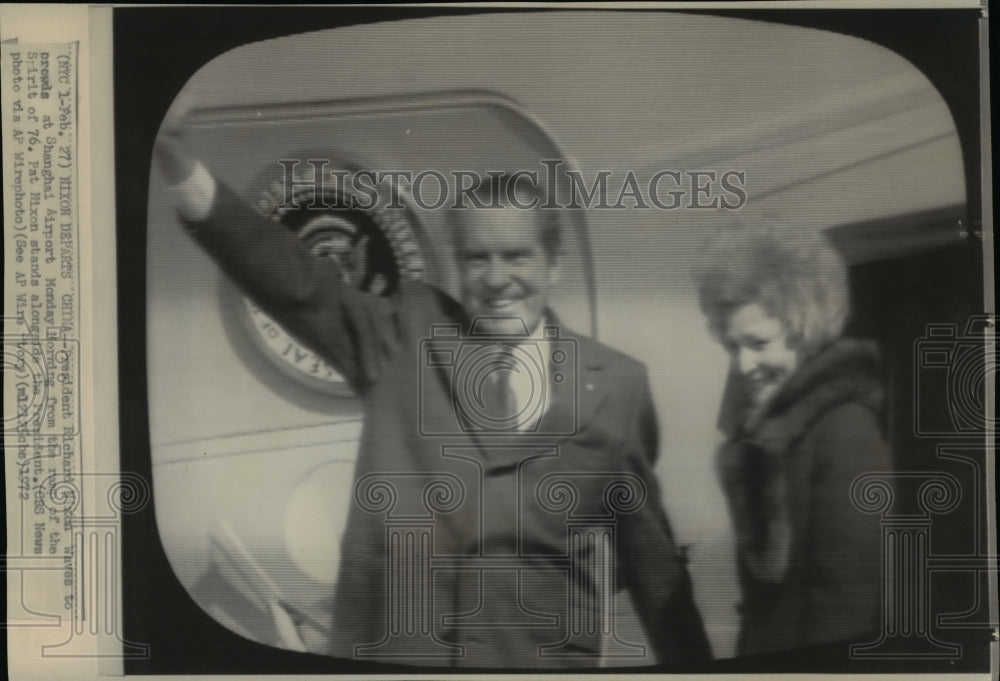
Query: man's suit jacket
<point>513,525</point>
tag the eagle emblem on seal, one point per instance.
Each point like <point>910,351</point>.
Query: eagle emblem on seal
<point>373,242</point>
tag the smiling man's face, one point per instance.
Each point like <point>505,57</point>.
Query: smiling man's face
<point>506,272</point>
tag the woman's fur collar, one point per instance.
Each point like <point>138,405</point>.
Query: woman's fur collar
<point>752,460</point>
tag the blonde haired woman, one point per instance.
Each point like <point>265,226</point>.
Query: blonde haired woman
<point>801,416</point>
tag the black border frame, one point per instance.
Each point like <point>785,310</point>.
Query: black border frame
<point>156,50</point>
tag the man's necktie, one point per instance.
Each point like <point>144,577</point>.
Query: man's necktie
<point>499,401</point>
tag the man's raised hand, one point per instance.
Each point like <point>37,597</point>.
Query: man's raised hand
<point>191,185</point>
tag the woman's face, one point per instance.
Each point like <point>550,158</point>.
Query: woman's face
<point>759,350</point>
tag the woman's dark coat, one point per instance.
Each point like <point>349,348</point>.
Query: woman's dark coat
<point>809,560</point>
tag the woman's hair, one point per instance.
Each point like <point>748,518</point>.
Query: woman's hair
<point>793,273</point>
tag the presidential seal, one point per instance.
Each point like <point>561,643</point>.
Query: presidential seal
<point>373,238</point>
